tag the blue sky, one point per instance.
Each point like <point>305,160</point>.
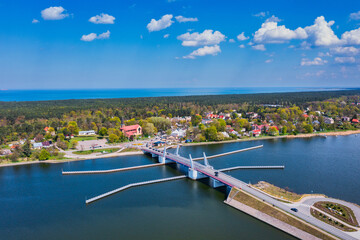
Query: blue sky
<point>189,43</point>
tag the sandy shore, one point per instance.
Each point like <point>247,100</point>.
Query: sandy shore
<point>110,155</point>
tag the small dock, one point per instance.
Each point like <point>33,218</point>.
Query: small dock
<point>251,167</point>
<point>111,170</point>
<point>228,153</point>
<point>91,200</point>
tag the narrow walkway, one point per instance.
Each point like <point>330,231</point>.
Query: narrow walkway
<point>251,167</point>
<point>228,153</point>
<point>91,200</point>
<point>111,170</point>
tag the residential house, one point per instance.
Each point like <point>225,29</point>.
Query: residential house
<point>345,119</point>
<point>328,120</point>
<point>179,133</point>
<point>5,152</point>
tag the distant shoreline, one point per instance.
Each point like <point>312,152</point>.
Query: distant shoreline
<point>120,154</point>
<point>13,95</point>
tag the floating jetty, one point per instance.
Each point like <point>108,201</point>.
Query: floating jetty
<point>228,153</point>
<point>91,200</point>
<point>111,170</point>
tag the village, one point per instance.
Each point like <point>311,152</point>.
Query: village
<point>72,142</point>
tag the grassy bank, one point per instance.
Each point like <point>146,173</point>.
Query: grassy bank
<point>280,193</point>
<point>87,152</point>
<point>245,198</point>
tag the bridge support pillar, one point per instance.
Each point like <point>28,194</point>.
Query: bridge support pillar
<point>215,183</point>
<point>194,175</point>
<point>153,155</point>
<point>163,160</point>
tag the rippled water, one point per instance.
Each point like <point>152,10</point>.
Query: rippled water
<point>37,202</point>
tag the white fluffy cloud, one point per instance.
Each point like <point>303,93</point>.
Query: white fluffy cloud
<point>242,37</point>
<point>182,19</point>
<point>355,16</point>
<point>206,50</point>
<point>270,32</point>
<point>316,62</point>
<point>35,21</point>
<point>166,35</point>
<point>92,36</point>
<point>157,25</point>
<point>242,46</point>
<point>345,59</point>
<point>208,37</point>
<point>103,18</point>
<point>320,33</point>
<point>351,37</point>
<point>345,51</point>
<point>259,47</point>
<point>54,13</point>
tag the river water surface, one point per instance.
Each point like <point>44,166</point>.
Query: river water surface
<point>37,202</point>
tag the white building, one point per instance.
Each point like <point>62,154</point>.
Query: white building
<point>86,133</point>
<point>328,120</point>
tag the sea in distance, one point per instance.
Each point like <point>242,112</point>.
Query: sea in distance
<point>43,95</point>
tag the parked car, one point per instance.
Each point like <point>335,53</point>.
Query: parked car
<point>294,209</point>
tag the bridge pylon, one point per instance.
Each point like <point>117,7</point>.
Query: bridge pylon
<point>206,162</point>
<point>162,158</point>
<point>192,173</point>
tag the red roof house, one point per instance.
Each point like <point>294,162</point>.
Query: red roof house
<point>355,120</point>
<point>132,130</point>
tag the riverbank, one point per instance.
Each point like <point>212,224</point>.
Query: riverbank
<point>74,157</point>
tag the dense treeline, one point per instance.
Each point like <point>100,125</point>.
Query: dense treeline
<point>139,107</point>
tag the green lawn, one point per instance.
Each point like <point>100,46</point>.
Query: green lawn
<point>84,138</point>
<point>105,150</point>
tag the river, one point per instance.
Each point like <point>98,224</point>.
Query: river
<point>37,202</point>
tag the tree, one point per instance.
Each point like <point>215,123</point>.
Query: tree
<point>160,123</point>
<point>308,128</point>
<point>148,129</point>
<point>103,131</point>
<point>61,136</point>
<point>39,138</point>
<point>27,149</point>
<point>113,138</point>
<point>195,120</point>
<point>211,133</point>
<point>73,127</point>
<point>94,127</point>
<point>273,131</point>
<point>61,144</point>
<point>284,129</point>
<point>44,155</point>
<point>74,143</point>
